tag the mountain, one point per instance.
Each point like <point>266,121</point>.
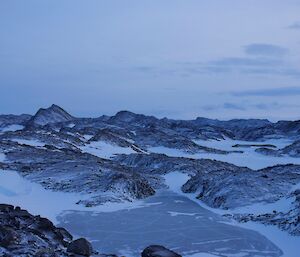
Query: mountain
<point>53,114</point>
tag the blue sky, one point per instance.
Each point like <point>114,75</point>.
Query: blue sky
<point>181,59</point>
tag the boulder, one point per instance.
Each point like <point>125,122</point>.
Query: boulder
<point>158,251</point>
<point>81,247</point>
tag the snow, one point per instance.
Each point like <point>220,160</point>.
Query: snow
<point>175,180</point>
<point>282,205</point>
<point>13,127</point>
<point>2,157</point>
<point>71,125</point>
<point>18,191</point>
<point>31,142</point>
<point>105,150</point>
<point>87,137</point>
<point>227,143</point>
<point>249,158</point>
<point>287,243</point>
<point>139,149</point>
<point>175,213</point>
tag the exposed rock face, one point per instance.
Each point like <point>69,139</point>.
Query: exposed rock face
<point>158,251</point>
<point>243,187</point>
<point>163,164</point>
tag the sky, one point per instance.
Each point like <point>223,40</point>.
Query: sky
<point>173,58</point>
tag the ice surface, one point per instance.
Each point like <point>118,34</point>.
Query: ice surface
<point>287,243</point>
<point>173,221</point>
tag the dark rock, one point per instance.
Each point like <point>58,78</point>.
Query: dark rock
<point>44,224</point>
<point>64,236</point>
<point>80,246</point>
<point>23,234</point>
<point>45,252</point>
<point>158,251</point>
<point>6,207</point>
<point>7,236</point>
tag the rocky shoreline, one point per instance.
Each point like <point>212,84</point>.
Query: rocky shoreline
<point>23,234</point>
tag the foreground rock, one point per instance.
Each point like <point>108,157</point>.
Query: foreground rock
<point>80,246</point>
<point>23,234</point>
<point>158,251</point>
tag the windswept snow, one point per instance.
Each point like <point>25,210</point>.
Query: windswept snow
<point>18,191</point>
<point>2,157</point>
<point>287,243</point>
<point>249,158</point>
<point>227,143</point>
<point>31,142</point>
<point>282,205</point>
<point>13,127</point>
<point>71,125</point>
<point>105,150</point>
<point>175,180</point>
<point>87,137</point>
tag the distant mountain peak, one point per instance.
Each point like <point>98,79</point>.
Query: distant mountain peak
<point>52,114</point>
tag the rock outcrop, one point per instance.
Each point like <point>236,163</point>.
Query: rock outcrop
<point>158,251</point>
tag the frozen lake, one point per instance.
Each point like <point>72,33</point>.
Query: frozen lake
<point>171,220</point>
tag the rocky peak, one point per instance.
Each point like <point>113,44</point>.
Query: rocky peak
<point>53,114</point>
